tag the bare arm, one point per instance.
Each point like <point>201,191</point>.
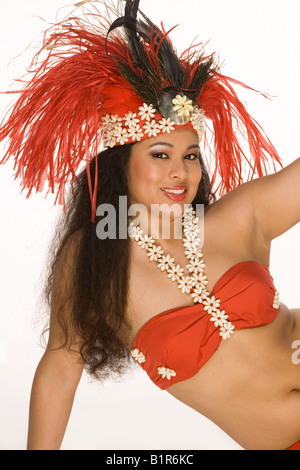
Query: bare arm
<point>59,371</point>
<point>276,200</point>
<point>52,395</point>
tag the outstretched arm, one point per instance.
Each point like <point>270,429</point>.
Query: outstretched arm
<point>276,201</point>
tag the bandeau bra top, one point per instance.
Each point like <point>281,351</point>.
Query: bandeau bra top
<point>173,345</point>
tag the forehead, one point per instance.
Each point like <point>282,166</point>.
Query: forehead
<point>181,139</point>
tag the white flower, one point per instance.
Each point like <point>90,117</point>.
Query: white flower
<point>134,231</point>
<point>107,124</point>
<point>106,119</point>
<point>130,120</point>
<point>185,284</point>
<point>276,301</point>
<point>189,253</point>
<point>197,120</point>
<point>191,245</point>
<point>211,304</point>
<point>190,230</point>
<point>166,125</point>
<point>166,373</point>
<point>151,128</point>
<point>135,133</point>
<point>201,266</point>
<point>113,119</point>
<point>109,140</point>
<point>147,112</point>
<point>196,279</point>
<point>166,262</point>
<point>175,272</point>
<point>191,222</point>
<point>198,294</point>
<point>138,356</point>
<point>155,253</point>
<point>199,254</point>
<point>197,298</point>
<point>191,235</point>
<point>188,213</point>
<point>187,224</point>
<point>115,131</point>
<point>198,114</point>
<point>202,278</point>
<point>182,105</point>
<point>196,265</point>
<point>121,135</point>
<point>146,241</point>
<point>227,330</point>
<point>219,318</point>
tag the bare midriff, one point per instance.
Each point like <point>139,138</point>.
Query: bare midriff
<point>250,387</point>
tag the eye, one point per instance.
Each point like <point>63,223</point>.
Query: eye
<point>160,155</point>
<point>192,156</point>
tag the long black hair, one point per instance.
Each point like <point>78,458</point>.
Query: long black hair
<point>97,285</point>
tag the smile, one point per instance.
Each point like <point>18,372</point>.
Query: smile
<point>175,191</point>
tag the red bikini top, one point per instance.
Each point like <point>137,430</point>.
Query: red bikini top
<point>173,345</point>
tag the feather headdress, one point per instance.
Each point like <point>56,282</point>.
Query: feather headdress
<point>114,77</point>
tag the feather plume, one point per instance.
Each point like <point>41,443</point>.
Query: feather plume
<point>111,63</point>
<point>154,63</point>
<point>233,127</point>
<point>56,122</point>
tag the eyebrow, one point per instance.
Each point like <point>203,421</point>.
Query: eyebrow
<point>167,144</point>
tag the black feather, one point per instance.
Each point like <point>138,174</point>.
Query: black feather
<point>156,63</point>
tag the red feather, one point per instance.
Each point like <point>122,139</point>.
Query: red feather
<point>230,119</point>
<point>56,122</point>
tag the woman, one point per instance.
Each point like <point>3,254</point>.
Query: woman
<point>238,383</point>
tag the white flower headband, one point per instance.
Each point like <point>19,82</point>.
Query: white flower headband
<point>148,122</point>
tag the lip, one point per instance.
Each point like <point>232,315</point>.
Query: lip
<point>175,197</point>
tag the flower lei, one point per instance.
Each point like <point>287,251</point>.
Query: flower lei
<point>195,283</point>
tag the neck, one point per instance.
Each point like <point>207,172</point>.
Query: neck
<point>165,230</point>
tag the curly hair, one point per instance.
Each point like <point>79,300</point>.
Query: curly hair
<point>96,287</point>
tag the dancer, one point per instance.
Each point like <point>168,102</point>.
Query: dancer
<point>202,317</point>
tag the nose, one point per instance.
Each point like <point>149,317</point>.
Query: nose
<point>177,169</point>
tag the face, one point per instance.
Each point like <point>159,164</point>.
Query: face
<point>165,169</point>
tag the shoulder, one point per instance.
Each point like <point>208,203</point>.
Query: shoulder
<point>237,206</point>
<point>270,204</point>
<point>233,218</point>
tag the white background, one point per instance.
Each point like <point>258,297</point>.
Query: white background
<point>259,43</point>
